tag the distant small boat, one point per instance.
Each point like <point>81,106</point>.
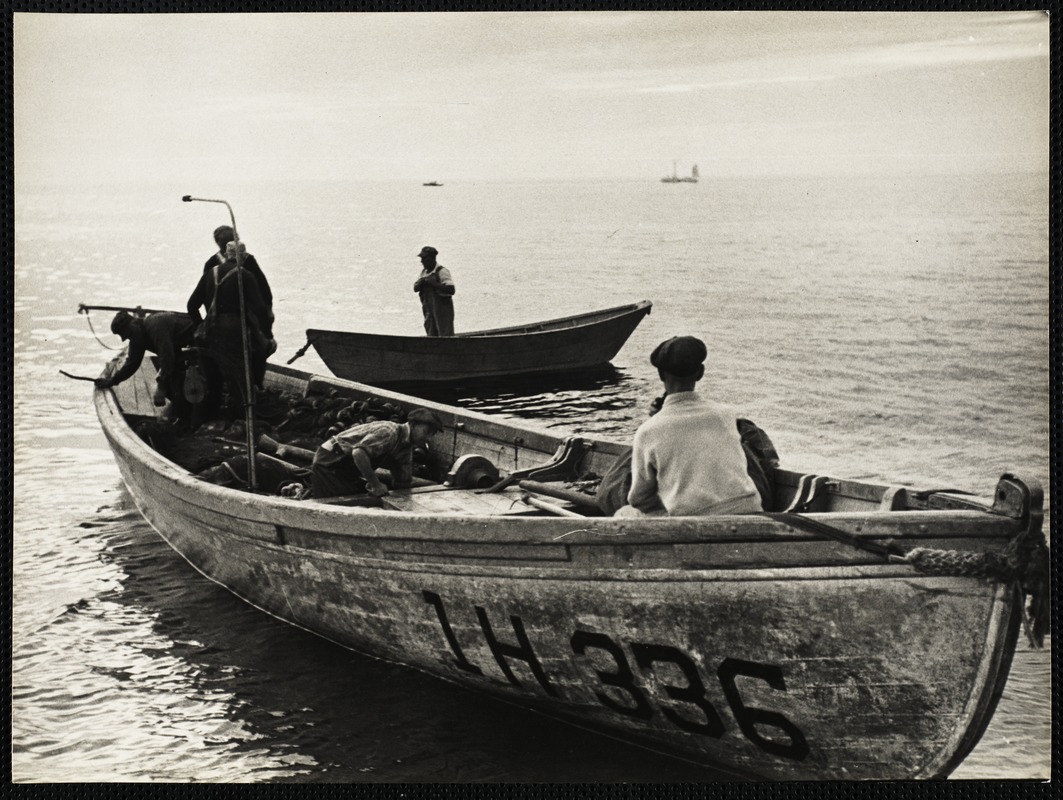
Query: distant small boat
<point>554,346</point>
<point>674,177</point>
<point>432,183</point>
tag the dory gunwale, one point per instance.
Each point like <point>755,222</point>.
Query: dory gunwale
<point>181,508</point>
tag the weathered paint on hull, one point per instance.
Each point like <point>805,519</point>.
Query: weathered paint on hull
<point>784,671</point>
<point>550,347</point>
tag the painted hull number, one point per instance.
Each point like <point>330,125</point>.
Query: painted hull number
<point>621,691</point>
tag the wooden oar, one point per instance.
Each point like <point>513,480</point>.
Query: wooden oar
<point>545,506</point>
<point>576,498</point>
<point>76,377</point>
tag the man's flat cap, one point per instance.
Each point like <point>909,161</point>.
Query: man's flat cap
<point>121,321</point>
<point>425,417</point>
<point>680,355</point>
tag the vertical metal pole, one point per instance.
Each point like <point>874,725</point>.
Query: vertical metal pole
<point>249,385</point>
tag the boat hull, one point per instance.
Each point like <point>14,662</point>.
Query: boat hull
<point>731,641</point>
<point>554,346</point>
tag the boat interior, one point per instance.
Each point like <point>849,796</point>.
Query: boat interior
<point>477,466</point>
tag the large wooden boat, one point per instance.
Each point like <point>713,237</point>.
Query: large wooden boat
<point>855,631</point>
<point>556,345</point>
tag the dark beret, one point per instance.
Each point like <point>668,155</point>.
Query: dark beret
<point>680,355</point>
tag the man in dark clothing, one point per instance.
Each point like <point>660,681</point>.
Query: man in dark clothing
<point>219,288</point>
<point>218,291</point>
<point>163,333</point>
<point>223,236</point>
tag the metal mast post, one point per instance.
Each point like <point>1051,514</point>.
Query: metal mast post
<point>249,386</point>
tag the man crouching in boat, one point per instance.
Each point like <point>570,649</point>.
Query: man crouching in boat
<point>687,459</point>
<point>348,462</point>
<point>163,333</point>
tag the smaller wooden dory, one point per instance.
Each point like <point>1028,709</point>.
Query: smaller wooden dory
<point>556,345</point>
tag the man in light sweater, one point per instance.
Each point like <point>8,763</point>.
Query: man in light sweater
<point>687,459</point>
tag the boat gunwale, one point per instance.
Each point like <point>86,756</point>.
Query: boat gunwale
<point>513,331</point>
<point>323,518</point>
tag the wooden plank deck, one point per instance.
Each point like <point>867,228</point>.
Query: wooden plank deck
<point>463,502</point>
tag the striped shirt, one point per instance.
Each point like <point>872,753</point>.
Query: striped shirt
<point>386,443</point>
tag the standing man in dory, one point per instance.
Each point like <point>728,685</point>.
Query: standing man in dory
<point>436,288</point>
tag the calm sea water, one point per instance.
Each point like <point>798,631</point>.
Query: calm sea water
<point>891,329</point>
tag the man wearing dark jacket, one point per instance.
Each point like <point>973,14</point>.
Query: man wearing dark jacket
<point>163,333</point>
<point>218,291</point>
<point>224,235</point>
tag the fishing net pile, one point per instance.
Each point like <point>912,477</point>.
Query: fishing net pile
<point>216,449</point>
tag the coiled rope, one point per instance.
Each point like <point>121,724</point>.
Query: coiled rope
<point>1023,563</point>
<point>959,563</point>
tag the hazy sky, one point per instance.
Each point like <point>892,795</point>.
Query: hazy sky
<point>520,95</point>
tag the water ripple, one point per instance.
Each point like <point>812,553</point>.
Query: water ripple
<point>860,352</point>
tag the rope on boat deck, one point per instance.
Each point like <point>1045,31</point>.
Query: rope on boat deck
<point>959,563</point>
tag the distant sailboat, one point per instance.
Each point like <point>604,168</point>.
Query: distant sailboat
<point>674,177</point>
